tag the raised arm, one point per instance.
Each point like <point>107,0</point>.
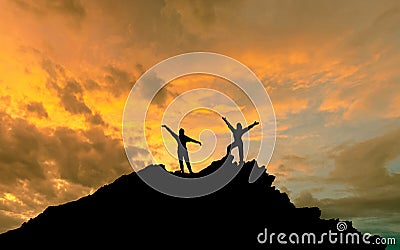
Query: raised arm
<point>251,126</point>
<point>171,132</point>
<point>229,125</point>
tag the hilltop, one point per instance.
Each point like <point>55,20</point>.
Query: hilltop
<point>129,213</point>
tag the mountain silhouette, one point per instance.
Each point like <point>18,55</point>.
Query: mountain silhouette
<point>128,214</point>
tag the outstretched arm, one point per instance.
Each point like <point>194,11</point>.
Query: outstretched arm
<point>171,132</point>
<point>192,140</point>
<point>251,126</point>
<point>229,125</point>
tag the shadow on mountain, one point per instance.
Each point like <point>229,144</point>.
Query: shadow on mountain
<point>129,214</point>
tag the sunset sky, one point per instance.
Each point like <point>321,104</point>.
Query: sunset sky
<point>331,69</point>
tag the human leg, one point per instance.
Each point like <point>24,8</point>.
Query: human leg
<point>186,158</point>
<point>228,149</point>
<point>240,148</point>
<point>180,157</point>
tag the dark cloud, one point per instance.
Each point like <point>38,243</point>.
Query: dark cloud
<point>74,103</point>
<point>118,81</point>
<point>176,25</point>
<point>381,28</point>
<point>42,166</point>
<point>140,68</point>
<point>91,85</point>
<point>352,206</point>
<point>19,150</point>
<point>69,7</point>
<point>52,69</point>
<point>364,164</point>
<point>72,8</point>
<point>71,97</point>
<point>150,84</point>
<point>95,119</point>
<point>73,87</point>
<point>155,25</point>
<point>38,109</point>
<point>305,199</point>
<point>89,158</point>
<point>71,92</point>
<point>363,167</point>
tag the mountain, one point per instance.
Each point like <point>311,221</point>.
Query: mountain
<point>128,214</point>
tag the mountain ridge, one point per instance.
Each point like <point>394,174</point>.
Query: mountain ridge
<point>128,211</point>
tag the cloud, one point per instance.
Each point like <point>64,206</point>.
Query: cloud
<point>364,164</point>
<point>135,151</point>
<point>71,97</point>
<point>88,157</point>
<point>373,192</point>
<point>328,67</point>
<point>38,109</point>
<point>8,221</point>
<point>72,8</point>
<point>19,151</point>
<point>85,157</point>
<point>45,166</point>
<point>151,83</point>
<point>289,166</point>
<point>71,92</point>
<point>287,101</point>
<point>91,85</point>
<point>95,119</point>
<point>305,199</point>
<point>353,207</point>
<point>170,32</point>
<point>53,70</point>
<point>118,81</point>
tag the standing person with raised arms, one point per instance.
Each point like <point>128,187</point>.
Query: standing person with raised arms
<point>237,137</point>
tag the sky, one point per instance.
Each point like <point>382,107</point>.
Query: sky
<point>330,69</point>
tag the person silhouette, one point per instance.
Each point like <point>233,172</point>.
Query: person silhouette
<point>183,154</point>
<point>237,137</point>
